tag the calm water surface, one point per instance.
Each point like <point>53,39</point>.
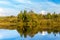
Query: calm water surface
<point>14,35</point>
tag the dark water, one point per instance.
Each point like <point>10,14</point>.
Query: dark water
<point>14,35</point>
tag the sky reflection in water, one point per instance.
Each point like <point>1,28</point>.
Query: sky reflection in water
<point>44,36</point>
<point>14,35</point>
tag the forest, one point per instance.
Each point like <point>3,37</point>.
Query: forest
<point>31,22</point>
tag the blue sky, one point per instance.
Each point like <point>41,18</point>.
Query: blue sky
<point>13,7</point>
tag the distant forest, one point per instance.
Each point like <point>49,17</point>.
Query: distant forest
<point>31,21</point>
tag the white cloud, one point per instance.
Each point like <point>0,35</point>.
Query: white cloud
<point>8,12</point>
<point>43,12</point>
<point>24,1</point>
<point>29,5</point>
<point>39,6</point>
<point>52,7</point>
<point>5,2</point>
<point>1,12</point>
<point>46,6</point>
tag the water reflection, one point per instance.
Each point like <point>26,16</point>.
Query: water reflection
<point>43,36</point>
<point>44,33</point>
<point>9,34</point>
<point>14,35</point>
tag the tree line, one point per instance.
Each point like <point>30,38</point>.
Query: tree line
<point>26,22</point>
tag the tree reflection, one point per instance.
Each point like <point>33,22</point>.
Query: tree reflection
<point>34,31</point>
